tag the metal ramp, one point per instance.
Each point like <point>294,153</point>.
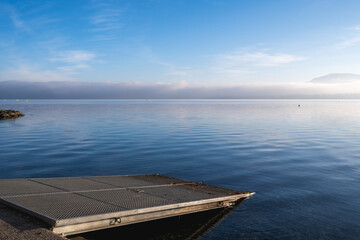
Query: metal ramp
<point>81,204</point>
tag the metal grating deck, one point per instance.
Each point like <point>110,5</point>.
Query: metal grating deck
<point>81,204</point>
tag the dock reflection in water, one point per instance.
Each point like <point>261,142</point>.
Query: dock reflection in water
<point>189,227</point>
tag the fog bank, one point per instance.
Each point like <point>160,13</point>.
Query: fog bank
<point>179,90</point>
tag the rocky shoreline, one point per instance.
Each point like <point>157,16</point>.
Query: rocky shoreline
<point>10,114</point>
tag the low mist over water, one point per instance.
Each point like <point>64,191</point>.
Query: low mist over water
<point>300,156</point>
<point>179,90</point>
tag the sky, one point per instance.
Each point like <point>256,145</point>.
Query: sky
<point>179,43</point>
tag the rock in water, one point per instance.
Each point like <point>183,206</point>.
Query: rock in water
<point>8,114</point>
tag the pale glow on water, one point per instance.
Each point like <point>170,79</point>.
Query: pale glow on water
<point>303,162</point>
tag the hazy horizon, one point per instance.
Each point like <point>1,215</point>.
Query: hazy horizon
<point>179,49</point>
<point>180,90</point>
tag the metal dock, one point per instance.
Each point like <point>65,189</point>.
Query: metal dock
<point>82,204</point>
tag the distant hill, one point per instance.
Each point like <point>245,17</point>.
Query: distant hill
<point>337,78</point>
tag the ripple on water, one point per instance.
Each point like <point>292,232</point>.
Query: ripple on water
<point>302,162</point>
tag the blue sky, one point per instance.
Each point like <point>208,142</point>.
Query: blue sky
<point>209,42</point>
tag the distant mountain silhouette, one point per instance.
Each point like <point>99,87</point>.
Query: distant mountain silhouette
<point>337,78</point>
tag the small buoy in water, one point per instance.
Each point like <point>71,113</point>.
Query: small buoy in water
<point>17,99</point>
<point>27,100</point>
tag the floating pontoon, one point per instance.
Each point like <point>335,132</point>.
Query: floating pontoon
<point>82,204</point>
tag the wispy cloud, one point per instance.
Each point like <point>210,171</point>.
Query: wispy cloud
<point>30,17</point>
<point>25,73</point>
<point>54,42</point>
<point>352,39</point>
<point>44,20</point>
<point>73,69</point>
<point>229,68</point>
<point>258,58</point>
<point>170,69</point>
<point>183,73</point>
<point>75,56</point>
<point>13,14</point>
<point>242,62</point>
<point>77,60</point>
<point>106,21</point>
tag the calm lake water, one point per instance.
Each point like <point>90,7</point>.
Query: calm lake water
<point>303,162</point>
